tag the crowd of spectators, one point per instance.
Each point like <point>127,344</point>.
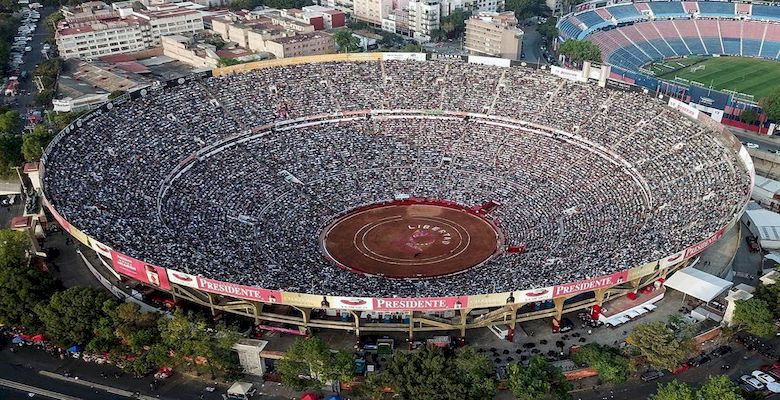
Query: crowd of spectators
<point>253,212</point>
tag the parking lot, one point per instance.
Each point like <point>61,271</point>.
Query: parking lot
<point>26,53</point>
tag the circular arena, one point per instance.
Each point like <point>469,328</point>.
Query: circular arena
<point>379,178</point>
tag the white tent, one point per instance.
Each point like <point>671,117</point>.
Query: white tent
<point>698,284</point>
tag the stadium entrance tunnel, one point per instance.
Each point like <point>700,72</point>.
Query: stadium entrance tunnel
<point>410,239</point>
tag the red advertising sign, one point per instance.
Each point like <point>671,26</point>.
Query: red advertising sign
<point>420,303</point>
<point>140,270</point>
<point>699,247</point>
<point>571,289</point>
<point>61,221</point>
<point>239,291</point>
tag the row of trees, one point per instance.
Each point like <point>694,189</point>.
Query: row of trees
<point>716,388</point>
<point>431,372</point>
<point>139,342</point>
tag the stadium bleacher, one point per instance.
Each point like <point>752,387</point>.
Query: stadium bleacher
<point>614,193</point>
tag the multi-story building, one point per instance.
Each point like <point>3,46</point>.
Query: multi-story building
<point>318,16</point>
<point>370,11</point>
<point>276,33</point>
<point>97,30</point>
<point>494,34</point>
<point>345,6</point>
<point>424,18</point>
<point>474,6</point>
<point>305,44</point>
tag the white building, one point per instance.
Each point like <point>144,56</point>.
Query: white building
<point>424,18</point>
<point>129,31</point>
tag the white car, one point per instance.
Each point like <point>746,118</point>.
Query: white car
<point>751,145</point>
<point>28,48</point>
<point>763,377</point>
<point>752,382</point>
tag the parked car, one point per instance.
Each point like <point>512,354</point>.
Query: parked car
<point>682,368</point>
<point>720,351</point>
<point>763,377</point>
<point>752,382</point>
<point>699,360</point>
<point>651,375</point>
<point>566,325</point>
<point>750,145</point>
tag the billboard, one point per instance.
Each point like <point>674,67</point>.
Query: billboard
<point>238,291</point>
<point>708,97</point>
<point>570,74</point>
<point>685,109</point>
<point>350,303</point>
<point>571,289</point>
<point>182,279</point>
<point>671,260</point>
<point>100,248</point>
<point>302,299</point>
<point>140,270</point>
<point>699,247</point>
<point>419,303</point>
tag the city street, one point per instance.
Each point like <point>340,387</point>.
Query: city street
<point>25,99</point>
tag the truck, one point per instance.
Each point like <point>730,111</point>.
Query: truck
<point>241,391</point>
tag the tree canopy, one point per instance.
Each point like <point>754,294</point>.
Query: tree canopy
<point>527,8</point>
<point>345,41</point>
<point>719,387</point>
<point>539,380</point>
<point>21,286</point>
<point>771,295</point>
<point>10,153</point>
<point>607,361</point>
<point>755,316</point>
<point>771,105</point>
<point>579,51</point>
<point>674,390</point>
<point>715,388</point>
<point>436,373</point>
<point>548,29</point>
<point>310,363</point>
<point>35,142</point>
<point>662,345</point>
<point>70,316</point>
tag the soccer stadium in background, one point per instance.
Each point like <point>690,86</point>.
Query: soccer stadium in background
<point>636,39</point>
<point>387,192</point>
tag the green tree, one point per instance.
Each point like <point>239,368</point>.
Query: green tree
<point>226,62</point>
<point>755,317</point>
<point>539,380</point>
<point>194,345</point>
<point>309,363</point>
<point>35,142</point>
<point>749,116</point>
<point>21,286</point>
<point>435,373</point>
<point>771,105</point>
<point>771,295</point>
<point>663,346</point>
<point>579,51</point>
<point>607,361</point>
<point>345,41</point>
<point>61,120</point>
<point>548,29</point>
<point>674,390</point>
<point>527,8</point>
<point>719,388</point>
<point>11,122</point>
<point>454,25</point>
<point>70,317</point>
<point>10,153</point>
<point>236,5</point>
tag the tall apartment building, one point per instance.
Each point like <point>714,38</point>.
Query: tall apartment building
<point>98,30</point>
<point>424,18</point>
<point>475,6</point>
<point>494,34</point>
<point>345,6</point>
<point>370,11</point>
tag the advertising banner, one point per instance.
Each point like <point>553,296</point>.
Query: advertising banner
<point>699,247</point>
<point>183,279</point>
<point>672,259</point>
<point>570,74</point>
<point>642,270</point>
<point>708,97</point>
<point>684,108</point>
<point>571,289</point>
<point>100,248</point>
<point>420,303</point>
<point>80,236</point>
<point>350,303</point>
<point>139,270</point>
<point>302,299</point>
<point>494,61</point>
<point>488,300</point>
<point>239,291</point>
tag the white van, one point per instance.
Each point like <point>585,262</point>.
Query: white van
<point>241,391</point>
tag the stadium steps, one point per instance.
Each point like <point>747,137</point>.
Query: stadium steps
<point>635,45</point>
<point>649,42</point>
<point>763,40</point>
<point>720,37</point>
<point>665,41</point>
<point>681,38</point>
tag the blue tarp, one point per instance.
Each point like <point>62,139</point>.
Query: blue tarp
<point>17,340</point>
<point>75,349</point>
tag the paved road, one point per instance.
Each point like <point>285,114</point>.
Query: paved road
<point>17,379</point>
<point>532,42</point>
<point>24,100</point>
<point>764,143</point>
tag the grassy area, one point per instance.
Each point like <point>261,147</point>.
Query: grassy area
<point>752,76</point>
